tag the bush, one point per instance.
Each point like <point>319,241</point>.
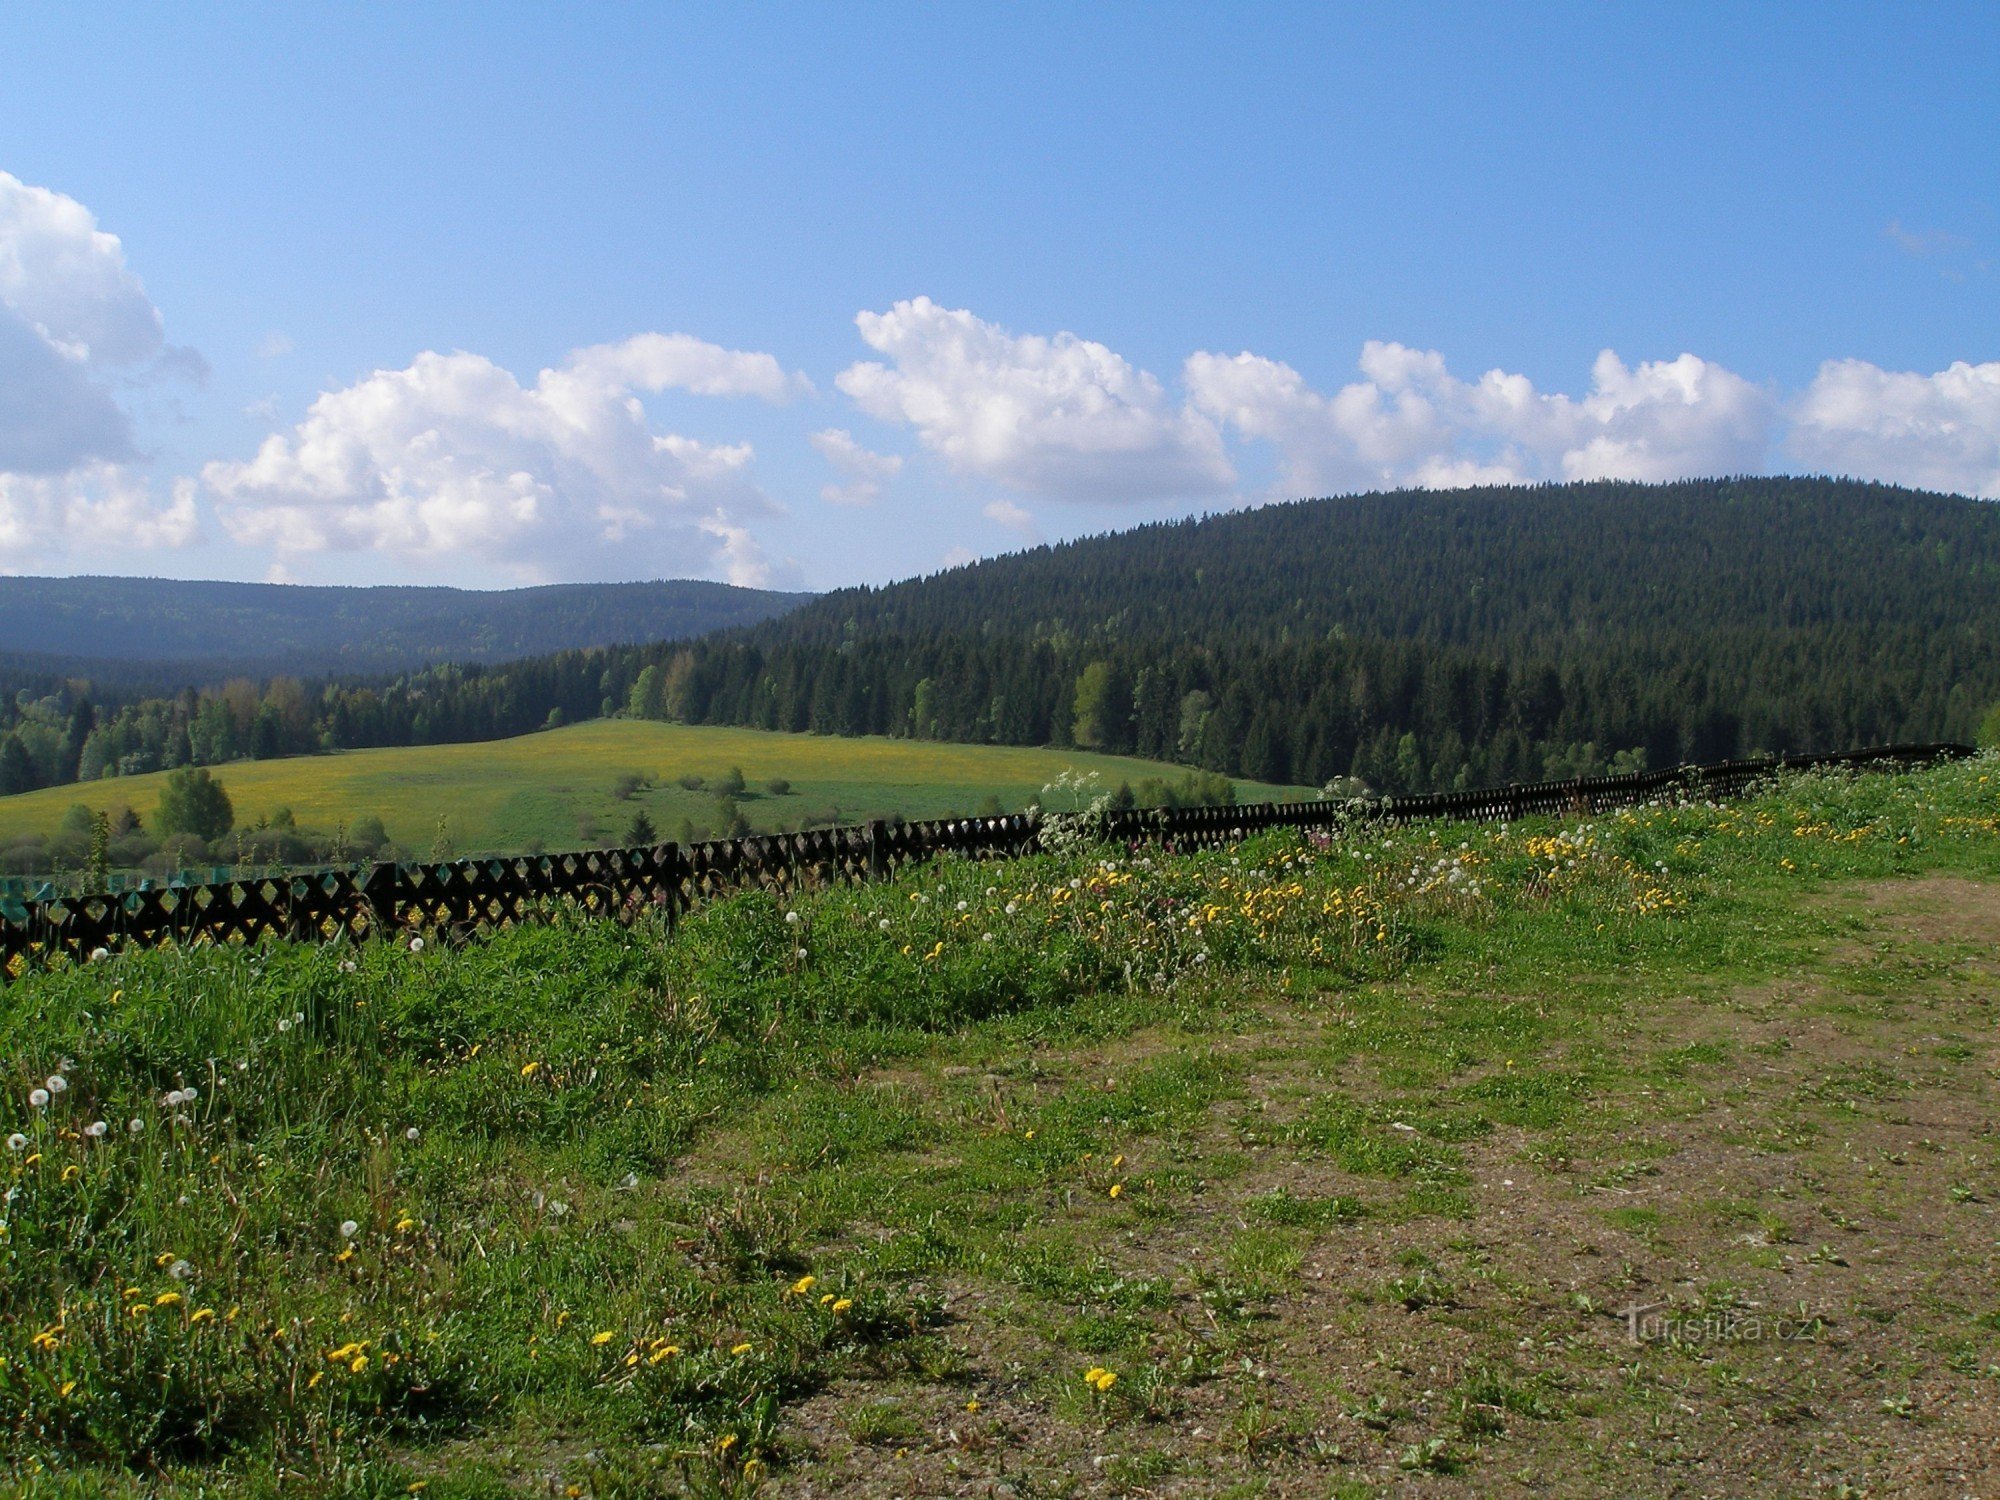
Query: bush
<point>194,802</point>
<point>777,786</point>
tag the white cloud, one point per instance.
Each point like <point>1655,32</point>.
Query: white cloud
<point>865,472</point>
<point>1062,417</point>
<point>453,458</point>
<point>71,315</point>
<point>1014,517</point>
<point>1938,432</point>
<point>274,345</point>
<point>1410,422</point>
<point>95,507</point>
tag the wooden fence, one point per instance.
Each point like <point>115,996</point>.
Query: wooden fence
<point>466,895</point>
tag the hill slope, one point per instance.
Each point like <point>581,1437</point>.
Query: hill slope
<point>263,628</point>
<point>1414,640</point>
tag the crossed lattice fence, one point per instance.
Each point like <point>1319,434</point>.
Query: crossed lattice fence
<point>464,896</point>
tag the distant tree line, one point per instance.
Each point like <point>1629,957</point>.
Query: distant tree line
<point>1410,641</point>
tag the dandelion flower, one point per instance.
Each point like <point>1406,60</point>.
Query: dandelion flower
<point>96,1130</point>
<point>803,1285</point>
<point>412,1133</point>
<point>17,1142</point>
<point>201,1315</point>
<point>528,1069</point>
<point>416,945</point>
<point>1117,1189</point>
<point>972,1405</point>
<point>166,1299</point>
<point>357,1364</point>
<point>180,1270</point>
<point>843,1304</point>
<point>597,1340</point>
<point>791,919</point>
<point>348,1228</point>
<point>136,1127</point>
<point>56,1083</point>
<point>742,1349</point>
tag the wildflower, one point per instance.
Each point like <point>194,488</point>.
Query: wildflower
<point>71,1173</point>
<point>201,1315</point>
<point>348,1228</point>
<point>528,1070</point>
<point>38,1097</point>
<point>405,1224</point>
<point>17,1142</point>
<point>1099,1377</point>
<point>96,1130</point>
<point>416,945</point>
<point>883,924</point>
<point>284,1024</point>
<point>963,906</point>
<point>803,1285</point>
<point>357,1364</point>
<point>727,1442</point>
<point>166,1299</point>
<point>598,1340</point>
<point>56,1083</point>
<point>843,1305</point>
<point>98,955</point>
<point>791,919</point>
<point>972,1405</point>
<point>1117,1189</point>
<point>665,1351</point>
<point>412,1133</point>
<point>802,953</point>
<point>743,1349</point>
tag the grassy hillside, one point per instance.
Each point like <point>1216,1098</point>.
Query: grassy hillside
<point>1287,1169</point>
<point>556,787</point>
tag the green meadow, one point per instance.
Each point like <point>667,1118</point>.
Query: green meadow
<point>557,787</point>
<point>1646,1154</point>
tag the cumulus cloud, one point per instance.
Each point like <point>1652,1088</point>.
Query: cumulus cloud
<point>457,459</point>
<point>454,458</point>
<point>71,315</point>
<point>1938,432</point>
<point>863,473</point>
<point>1014,517</point>
<point>1062,417</point>
<point>1410,422</point>
<point>73,320</point>
<point>94,507</point>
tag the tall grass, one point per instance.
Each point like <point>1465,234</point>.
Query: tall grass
<point>316,1211</point>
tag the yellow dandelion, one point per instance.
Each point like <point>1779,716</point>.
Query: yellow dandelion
<point>743,1349</point>
<point>843,1304</point>
<point>528,1069</point>
<point>356,1365</point>
<point>803,1285</point>
<point>166,1299</point>
<point>1117,1189</point>
<point>727,1441</point>
<point>972,1406</point>
<point>602,1338</point>
<point>201,1315</point>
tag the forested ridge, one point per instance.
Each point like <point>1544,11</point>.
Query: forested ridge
<point>163,633</point>
<point>1412,640</point>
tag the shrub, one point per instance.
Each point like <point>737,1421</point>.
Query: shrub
<point>194,802</point>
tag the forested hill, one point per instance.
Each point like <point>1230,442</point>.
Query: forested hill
<point>1494,569</point>
<point>68,626</point>
<point>1412,640</point>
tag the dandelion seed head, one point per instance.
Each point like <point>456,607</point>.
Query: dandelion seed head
<point>17,1142</point>
<point>38,1097</point>
<point>136,1126</point>
<point>348,1229</point>
<point>56,1083</point>
<point>96,1130</point>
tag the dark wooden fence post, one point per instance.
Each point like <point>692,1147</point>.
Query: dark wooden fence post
<point>878,850</point>
<point>670,871</point>
<point>378,894</point>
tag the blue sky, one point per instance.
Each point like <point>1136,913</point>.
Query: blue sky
<point>1112,263</point>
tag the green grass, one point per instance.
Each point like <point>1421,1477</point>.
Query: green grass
<point>1201,1163</point>
<point>556,787</point>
